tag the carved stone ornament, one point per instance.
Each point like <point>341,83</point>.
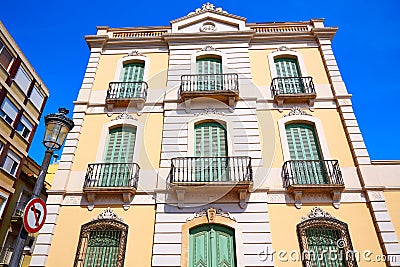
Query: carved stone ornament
<point>108,213</point>
<point>208,27</point>
<point>283,48</point>
<point>208,48</point>
<point>317,212</point>
<point>135,53</point>
<point>124,116</point>
<point>211,213</point>
<point>210,110</point>
<point>208,7</point>
<point>296,111</point>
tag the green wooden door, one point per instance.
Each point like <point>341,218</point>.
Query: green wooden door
<point>288,69</point>
<point>212,245</point>
<point>132,76</point>
<point>323,242</point>
<point>120,149</point>
<point>211,148</point>
<point>210,78</point>
<point>304,148</point>
<point>102,248</point>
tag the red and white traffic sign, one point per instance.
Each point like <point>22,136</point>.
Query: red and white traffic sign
<point>34,215</point>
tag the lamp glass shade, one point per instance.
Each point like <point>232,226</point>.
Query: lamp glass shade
<point>55,134</point>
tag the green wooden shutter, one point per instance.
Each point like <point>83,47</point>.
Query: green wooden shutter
<point>304,147</point>
<point>208,66</point>
<point>323,243</point>
<point>132,75</point>
<point>212,245</point>
<point>288,67</point>
<point>210,142</point>
<point>120,149</point>
<point>102,248</point>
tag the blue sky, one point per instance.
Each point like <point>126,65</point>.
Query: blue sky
<point>367,48</point>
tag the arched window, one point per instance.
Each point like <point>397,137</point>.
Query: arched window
<point>102,242</point>
<point>212,245</point>
<point>305,154</point>
<point>325,241</point>
<point>289,75</point>
<point>211,149</point>
<point>209,70</point>
<point>132,79</point>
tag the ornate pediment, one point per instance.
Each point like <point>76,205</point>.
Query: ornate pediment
<point>295,111</point>
<point>317,212</point>
<point>211,213</point>
<point>208,18</point>
<point>124,116</point>
<point>108,214</point>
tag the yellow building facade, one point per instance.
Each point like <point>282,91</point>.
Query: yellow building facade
<point>217,142</point>
<point>22,99</point>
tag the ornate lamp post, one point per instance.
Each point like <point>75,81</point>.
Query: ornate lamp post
<point>57,127</point>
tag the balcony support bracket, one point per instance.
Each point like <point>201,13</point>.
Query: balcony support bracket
<point>231,102</point>
<point>297,198</point>
<point>280,104</point>
<point>91,197</point>
<point>242,198</point>
<point>188,106</point>
<point>336,196</point>
<point>110,106</point>
<point>180,194</point>
<point>126,197</point>
<point>311,103</point>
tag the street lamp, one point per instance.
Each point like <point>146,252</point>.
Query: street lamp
<point>57,127</point>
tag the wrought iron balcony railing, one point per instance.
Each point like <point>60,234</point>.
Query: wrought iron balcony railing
<point>292,86</point>
<point>127,90</point>
<point>196,83</point>
<point>312,172</point>
<point>111,175</point>
<point>5,255</point>
<point>196,170</point>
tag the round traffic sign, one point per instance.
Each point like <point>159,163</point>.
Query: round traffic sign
<point>34,215</point>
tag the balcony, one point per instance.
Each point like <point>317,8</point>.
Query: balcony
<point>122,94</point>
<point>18,212</point>
<point>313,176</point>
<point>211,173</point>
<point>223,87</point>
<point>111,178</point>
<point>293,90</point>
<point>5,256</point>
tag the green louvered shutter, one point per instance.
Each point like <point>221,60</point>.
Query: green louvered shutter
<point>206,67</point>
<point>120,149</point>
<point>288,67</point>
<point>102,248</point>
<point>303,147</point>
<point>210,142</point>
<point>323,242</point>
<point>132,75</point>
<point>212,245</point>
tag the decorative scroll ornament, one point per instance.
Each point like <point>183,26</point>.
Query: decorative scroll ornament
<point>283,48</point>
<point>210,110</point>
<point>108,214</point>
<point>208,7</point>
<point>211,214</point>
<point>208,27</point>
<point>135,53</point>
<point>296,111</point>
<point>124,116</point>
<point>317,212</point>
<point>208,48</point>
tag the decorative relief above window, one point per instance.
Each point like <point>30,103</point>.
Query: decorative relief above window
<point>208,27</point>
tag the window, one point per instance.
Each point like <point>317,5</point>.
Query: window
<point>8,111</point>
<point>102,242</point>
<point>305,154</point>
<point>6,57</point>
<point>11,162</point>
<point>132,78</point>
<point>325,241</point>
<point>3,202</point>
<point>289,76</point>
<point>23,80</point>
<point>36,97</point>
<point>212,245</point>
<point>211,149</point>
<point>24,127</point>
<point>209,72</point>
